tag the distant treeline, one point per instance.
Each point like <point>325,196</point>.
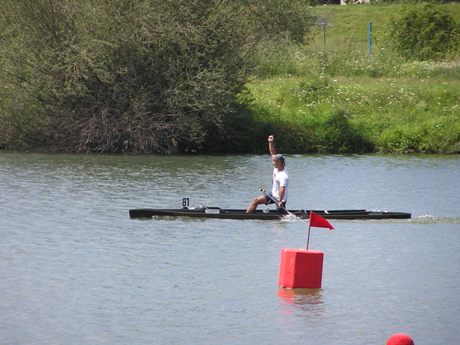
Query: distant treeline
<point>138,76</point>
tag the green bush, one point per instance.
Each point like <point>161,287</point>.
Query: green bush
<point>275,18</point>
<point>143,76</point>
<point>423,33</point>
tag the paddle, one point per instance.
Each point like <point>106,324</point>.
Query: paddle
<point>274,200</point>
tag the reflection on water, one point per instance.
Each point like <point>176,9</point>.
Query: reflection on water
<point>306,300</point>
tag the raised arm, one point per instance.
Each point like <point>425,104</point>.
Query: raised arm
<point>271,145</point>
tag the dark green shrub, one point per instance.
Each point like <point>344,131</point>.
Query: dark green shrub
<point>142,76</point>
<point>423,33</point>
<point>278,17</point>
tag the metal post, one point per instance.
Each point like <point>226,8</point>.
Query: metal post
<point>369,38</point>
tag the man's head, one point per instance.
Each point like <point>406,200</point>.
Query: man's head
<point>278,161</point>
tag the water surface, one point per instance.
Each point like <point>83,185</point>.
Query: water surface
<point>76,270</point>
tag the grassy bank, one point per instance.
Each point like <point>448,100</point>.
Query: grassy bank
<point>348,24</point>
<point>105,77</point>
<point>385,114</point>
<point>338,98</point>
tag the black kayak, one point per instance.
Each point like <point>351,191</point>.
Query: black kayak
<point>216,212</point>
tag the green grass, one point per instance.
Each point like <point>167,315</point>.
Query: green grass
<point>393,114</point>
<point>337,98</point>
<point>348,25</point>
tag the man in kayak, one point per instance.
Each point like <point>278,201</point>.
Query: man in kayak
<point>279,190</point>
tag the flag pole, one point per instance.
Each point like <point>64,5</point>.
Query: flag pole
<point>309,226</point>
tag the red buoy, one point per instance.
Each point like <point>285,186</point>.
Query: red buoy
<point>300,268</point>
<point>400,339</point>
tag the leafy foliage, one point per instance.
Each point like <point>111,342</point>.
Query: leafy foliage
<point>424,33</point>
<point>276,18</point>
<point>144,76</point>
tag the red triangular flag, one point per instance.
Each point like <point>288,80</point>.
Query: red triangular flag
<point>319,222</point>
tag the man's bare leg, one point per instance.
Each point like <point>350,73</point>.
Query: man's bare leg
<point>256,202</point>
